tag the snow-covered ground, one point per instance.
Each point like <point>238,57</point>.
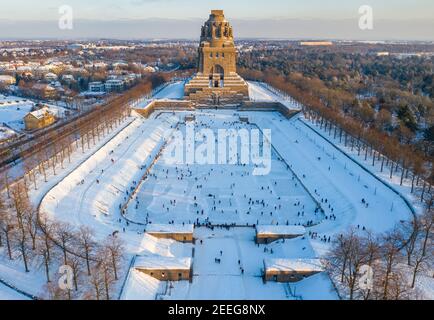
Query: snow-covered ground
<point>172,91</point>
<point>305,170</point>
<point>336,179</point>
<point>12,272</point>
<point>13,109</point>
<point>92,194</point>
<point>6,133</point>
<point>221,194</point>
<point>336,182</point>
<point>225,280</point>
<point>260,93</point>
<point>7,293</point>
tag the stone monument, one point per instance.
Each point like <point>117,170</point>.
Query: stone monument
<point>216,82</point>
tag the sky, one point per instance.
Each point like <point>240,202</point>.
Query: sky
<point>395,19</point>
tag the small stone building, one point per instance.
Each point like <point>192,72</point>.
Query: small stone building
<point>39,119</point>
<point>165,268</point>
<point>244,119</point>
<point>290,270</point>
<point>177,232</point>
<point>43,91</point>
<point>268,234</point>
<point>190,118</point>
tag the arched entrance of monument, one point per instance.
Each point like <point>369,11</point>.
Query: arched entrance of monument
<point>217,74</point>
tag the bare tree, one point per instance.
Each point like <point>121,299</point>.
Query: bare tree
<point>427,229</point>
<point>75,262</point>
<point>54,292</point>
<point>88,245</point>
<point>7,225</point>
<point>96,282</point>
<point>390,248</point>
<point>23,247</point>
<point>44,252</point>
<point>409,232</point>
<point>421,257</point>
<point>48,233</point>
<point>106,270</point>
<point>115,249</point>
<point>22,207</point>
<point>64,235</point>
<point>31,225</point>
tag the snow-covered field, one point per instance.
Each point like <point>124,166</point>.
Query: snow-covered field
<point>172,91</point>
<point>260,93</point>
<point>221,194</point>
<point>306,171</point>
<point>7,293</point>
<point>225,280</point>
<point>92,194</point>
<point>12,111</point>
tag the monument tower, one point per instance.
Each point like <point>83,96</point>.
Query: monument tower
<point>217,81</point>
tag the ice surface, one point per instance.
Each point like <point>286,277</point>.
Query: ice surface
<point>219,194</point>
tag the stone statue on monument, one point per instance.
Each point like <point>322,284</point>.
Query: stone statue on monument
<point>226,31</point>
<point>222,30</point>
<point>213,30</point>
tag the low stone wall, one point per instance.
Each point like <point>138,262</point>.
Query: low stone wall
<point>180,237</point>
<point>269,238</point>
<point>267,106</point>
<point>188,105</point>
<point>287,276</point>
<point>170,105</point>
<point>168,274</point>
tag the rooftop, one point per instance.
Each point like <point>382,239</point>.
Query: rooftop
<point>297,265</point>
<point>162,263</point>
<point>169,228</point>
<point>39,114</point>
<point>280,230</point>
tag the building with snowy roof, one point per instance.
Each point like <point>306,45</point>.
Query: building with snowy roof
<point>51,77</point>
<point>270,233</point>
<point>7,80</point>
<point>177,232</point>
<point>291,270</point>
<point>96,86</point>
<point>43,91</point>
<point>114,85</point>
<point>39,119</point>
<point>165,268</point>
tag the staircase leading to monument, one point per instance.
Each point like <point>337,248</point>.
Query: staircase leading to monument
<point>216,82</point>
<point>232,90</point>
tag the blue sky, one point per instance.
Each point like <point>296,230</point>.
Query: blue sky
<point>186,9</point>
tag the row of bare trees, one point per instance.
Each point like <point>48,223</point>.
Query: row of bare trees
<point>396,259</point>
<point>46,143</point>
<point>44,245</point>
<point>326,110</point>
<point>381,149</point>
<point>53,156</point>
